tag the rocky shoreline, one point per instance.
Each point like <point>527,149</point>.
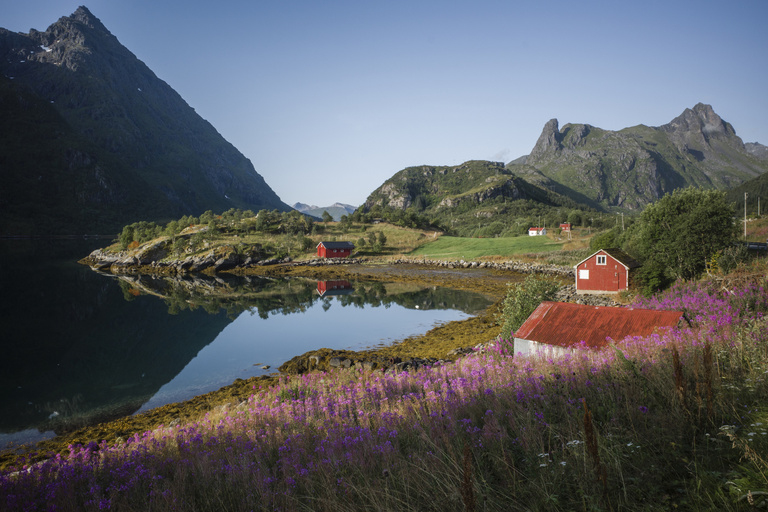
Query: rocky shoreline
<point>153,258</point>
<point>514,266</point>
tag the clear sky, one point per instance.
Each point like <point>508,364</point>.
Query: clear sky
<point>329,99</point>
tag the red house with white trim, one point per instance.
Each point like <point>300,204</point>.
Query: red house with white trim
<point>335,249</point>
<point>606,271</point>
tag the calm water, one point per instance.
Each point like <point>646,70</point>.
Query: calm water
<point>80,347</point>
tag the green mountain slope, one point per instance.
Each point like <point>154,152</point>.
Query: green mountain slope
<point>121,144</point>
<point>633,167</point>
<point>476,198</point>
<point>755,188</point>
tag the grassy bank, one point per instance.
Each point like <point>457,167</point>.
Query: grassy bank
<point>673,421</point>
<point>454,248</point>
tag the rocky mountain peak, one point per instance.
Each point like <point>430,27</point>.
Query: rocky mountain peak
<point>83,15</point>
<point>700,119</point>
<point>548,140</point>
<point>145,151</point>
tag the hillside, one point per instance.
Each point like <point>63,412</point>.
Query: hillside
<point>755,188</point>
<point>476,198</point>
<point>92,139</point>
<point>633,167</point>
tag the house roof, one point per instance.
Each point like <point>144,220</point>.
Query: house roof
<point>537,229</point>
<point>337,245</point>
<point>564,324</point>
<point>617,254</point>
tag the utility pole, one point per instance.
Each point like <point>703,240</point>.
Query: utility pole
<point>745,215</point>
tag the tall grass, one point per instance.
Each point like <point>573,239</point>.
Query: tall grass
<point>674,420</point>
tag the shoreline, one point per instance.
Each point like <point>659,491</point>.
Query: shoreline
<point>444,344</point>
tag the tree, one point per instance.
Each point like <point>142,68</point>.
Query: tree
<point>327,217</point>
<point>126,237</point>
<point>605,240</point>
<point>677,234</point>
<point>522,299</point>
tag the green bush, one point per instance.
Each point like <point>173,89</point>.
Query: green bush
<point>522,299</point>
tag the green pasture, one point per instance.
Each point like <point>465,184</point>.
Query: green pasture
<point>456,248</point>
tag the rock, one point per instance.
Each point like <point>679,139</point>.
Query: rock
<point>152,252</point>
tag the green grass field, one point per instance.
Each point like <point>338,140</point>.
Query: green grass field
<point>455,248</point>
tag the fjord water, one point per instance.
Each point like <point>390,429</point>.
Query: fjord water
<point>79,347</point>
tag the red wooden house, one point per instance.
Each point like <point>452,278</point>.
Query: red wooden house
<point>335,249</point>
<point>606,271</point>
<point>555,328</point>
<point>565,227</point>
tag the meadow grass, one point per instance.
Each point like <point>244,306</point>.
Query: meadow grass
<point>677,420</point>
<point>455,248</point>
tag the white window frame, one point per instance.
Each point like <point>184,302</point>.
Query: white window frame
<point>583,273</point>
<point>602,259</point>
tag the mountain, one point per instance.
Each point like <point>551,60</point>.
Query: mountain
<point>757,150</point>
<point>633,167</point>
<point>92,139</point>
<point>476,198</point>
<point>336,210</point>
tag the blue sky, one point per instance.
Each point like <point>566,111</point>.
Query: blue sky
<point>329,99</point>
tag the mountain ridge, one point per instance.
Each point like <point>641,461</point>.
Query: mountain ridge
<point>131,136</point>
<point>573,170</point>
<point>630,168</point>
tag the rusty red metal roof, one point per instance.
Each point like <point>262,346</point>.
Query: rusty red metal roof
<point>564,324</point>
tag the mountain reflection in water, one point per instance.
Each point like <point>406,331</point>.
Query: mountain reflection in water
<point>80,347</point>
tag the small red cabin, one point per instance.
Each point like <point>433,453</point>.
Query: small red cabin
<point>565,227</point>
<point>606,271</point>
<point>335,249</point>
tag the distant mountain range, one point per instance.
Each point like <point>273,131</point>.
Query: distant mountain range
<point>336,210</point>
<point>578,167</point>
<point>91,139</point>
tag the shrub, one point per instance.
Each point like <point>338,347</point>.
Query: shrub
<point>522,299</point>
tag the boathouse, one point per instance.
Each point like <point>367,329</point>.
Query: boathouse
<point>555,328</point>
<point>335,249</point>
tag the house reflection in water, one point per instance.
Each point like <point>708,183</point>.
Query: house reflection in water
<point>340,287</point>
